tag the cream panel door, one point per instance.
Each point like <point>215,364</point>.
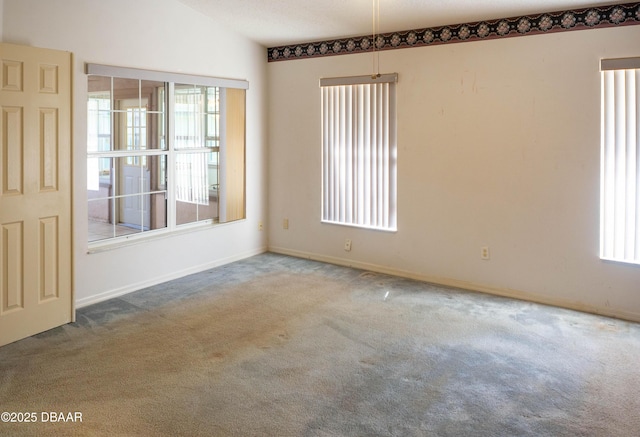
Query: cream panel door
<point>35,191</point>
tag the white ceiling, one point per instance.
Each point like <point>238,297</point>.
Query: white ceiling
<point>280,22</point>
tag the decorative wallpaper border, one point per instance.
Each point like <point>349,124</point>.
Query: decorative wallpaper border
<point>563,21</point>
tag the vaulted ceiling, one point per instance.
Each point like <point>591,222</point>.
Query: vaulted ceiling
<point>280,22</point>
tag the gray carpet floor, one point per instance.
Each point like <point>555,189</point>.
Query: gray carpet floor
<point>280,346</point>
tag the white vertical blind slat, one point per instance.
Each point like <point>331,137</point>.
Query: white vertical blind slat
<point>630,161</point>
<point>619,153</point>
<point>385,159</point>
<point>368,140</point>
<point>393,170</point>
<point>348,177</point>
<point>330,133</point>
<point>375,146</point>
<point>608,167</point>
<point>360,216</point>
<point>336,153</point>
<point>340,154</point>
<point>348,164</point>
<point>326,135</point>
<point>637,181</point>
<point>325,149</point>
<point>375,141</point>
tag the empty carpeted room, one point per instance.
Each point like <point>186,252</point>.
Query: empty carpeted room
<point>327,218</point>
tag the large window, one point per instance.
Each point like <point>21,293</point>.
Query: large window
<point>359,151</point>
<point>164,152</point>
<point>620,172</point>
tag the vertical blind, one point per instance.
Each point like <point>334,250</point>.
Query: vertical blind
<point>359,151</point>
<point>191,171</point>
<point>191,178</point>
<point>620,161</point>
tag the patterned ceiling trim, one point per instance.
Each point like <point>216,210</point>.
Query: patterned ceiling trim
<point>582,19</point>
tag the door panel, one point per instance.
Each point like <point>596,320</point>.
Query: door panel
<point>12,267</point>
<point>12,150</point>
<point>35,191</point>
<point>134,209</point>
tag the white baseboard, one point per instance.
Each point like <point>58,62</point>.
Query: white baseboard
<point>160,279</point>
<point>450,282</point>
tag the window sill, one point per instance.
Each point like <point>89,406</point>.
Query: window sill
<point>621,262</point>
<point>136,239</point>
<point>369,228</point>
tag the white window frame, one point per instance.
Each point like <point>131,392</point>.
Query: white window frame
<point>170,79</point>
<point>620,160</point>
<point>359,151</point>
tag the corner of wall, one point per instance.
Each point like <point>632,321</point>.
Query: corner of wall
<point>1,20</point>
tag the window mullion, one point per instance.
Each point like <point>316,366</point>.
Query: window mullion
<point>171,159</point>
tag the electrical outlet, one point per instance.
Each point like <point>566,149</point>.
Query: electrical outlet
<point>484,253</point>
<point>347,245</point>
<point>285,223</point>
<point>260,227</point>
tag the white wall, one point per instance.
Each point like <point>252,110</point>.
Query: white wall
<point>161,35</point>
<point>499,145</point>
